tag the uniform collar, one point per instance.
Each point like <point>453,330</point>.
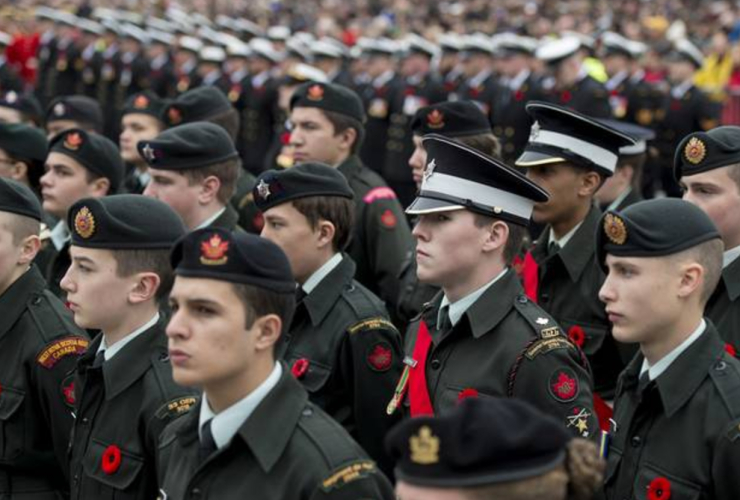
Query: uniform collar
<point>616,80</point>
<point>731,278</point>
<point>478,79</point>
<point>680,90</point>
<point>13,301</point>
<point>321,273</point>
<point>730,256</point>
<point>260,79</point>
<point>226,424</point>
<point>619,199</point>
<point>350,166</point>
<point>656,370</point>
<point>111,351</point>
<point>460,307</point>
<point>322,298</point>
<point>210,220</point>
<point>517,82</point>
<point>563,241</point>
<point>578,251</point>
<point>60,235</point>
<point>383,79</point>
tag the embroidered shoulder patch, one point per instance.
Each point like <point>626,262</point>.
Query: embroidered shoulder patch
<point>348,474</point>
<point>176,407</point>
<point>58,349</point>
<point>546,345</point>
<point>379,193</point>
<point>68,391</point>
<point>371,324</point>
<point>380,356</point>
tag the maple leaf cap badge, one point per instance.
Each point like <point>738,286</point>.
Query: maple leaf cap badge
<point>435,119</point>
<point>73,141</point>
<point>213,251</point>
<point>141,102</point>
<point>424,447</point>
<point>315,93</point>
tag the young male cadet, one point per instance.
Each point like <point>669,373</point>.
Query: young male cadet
<point>254,432</point>
<point>570,155</point>
<point>39,348</point>
<point>341,344</point>
<point>125,394</point>
<point>675,432</point>
<point>481,336</point>
<point>707,166</point>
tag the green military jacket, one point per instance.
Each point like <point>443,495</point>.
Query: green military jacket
<point>682,433</point>
<point>569,283</point>
<point>122,408</point>
<point>353,355</point>
<point>288,449</point>
<point>39,347</point>
<point>506,346</point>
<point>382,239</point>
<point>724,307</point>
<point>228,220</point>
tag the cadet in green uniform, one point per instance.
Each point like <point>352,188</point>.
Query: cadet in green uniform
<point>74,111</point>
<point>327,127</point>
<point>23,150</point>
<point>254,432</point>
<point>80,165</point>
<point>341,344</point>
<point>125,394</point>
<point>194,168</point>
<point>707,165</point>
<point>570,155</point>
<point>461,456</point>
<point>39,347</point>
<point>481,336</point>
<point>682,384</point>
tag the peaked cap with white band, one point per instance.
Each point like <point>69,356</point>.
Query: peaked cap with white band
<point>458,177</point>
<point>563,135</point>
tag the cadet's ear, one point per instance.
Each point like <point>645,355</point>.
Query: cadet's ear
<point>497,236</point>
<point>100,187</point>
<point>209,189</point>
<point>326,232</point>
<point>590,183</point>
<point>692,279</point>
<point>267,328</point>
<point>30,247</point>
<point>145,287</point>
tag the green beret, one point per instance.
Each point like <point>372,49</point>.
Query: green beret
<point>451,119</point>
<point>193,145</point>
<point>76,108</point>
<point>702,151</point>
<point>18,199</point>
<point>653,228</point>
<point>146,103</point>
<point>24,142</point>
<point>93,151</point>
<point>124,222</point>
<point>219,254</point>
<point>275,187</point>
<point>198,104</point>
<point>24,103</point>
<point>329,97</point>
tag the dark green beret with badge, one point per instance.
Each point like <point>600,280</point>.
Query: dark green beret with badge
<point>93,151</point>
<point>17,198</point>
<point>653,228</point>
<point>76,108</point>
<point>451,119</point>
<point>480,442</point>
<point>198,104</point>
<point>24,142</point>
<point>329,97</point>
<point>193,145</point>
<point>276,187</point>
<point>124,222</point>
<point>146,103</point>
<point>702,151</point>
<point>25,103</point>
<point>219,254</point>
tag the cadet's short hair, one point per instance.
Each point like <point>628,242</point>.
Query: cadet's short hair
<point>734,172</point>
<point>226,171</point>
<point>341,123</point>
<point>485,143</point>
<point>517,233</point>
<point>335,209</point>
<point>637,162</point>
<point>260,302</point>
<point>709,256</point>
<point>21,227</point>
<point>130,262</point>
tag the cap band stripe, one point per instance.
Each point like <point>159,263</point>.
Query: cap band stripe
<point>478,193</point>
<point>600,156</point>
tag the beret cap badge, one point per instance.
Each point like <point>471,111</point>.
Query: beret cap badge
<point>435,119</point>
<point>315,93</point>
<point>534,132</point>
<point>615,229</point>
<point>141,102</point>
<point>213,251</point>
<point>424,447</point>
<point>59,109</point>
<point>174,116</point>
<point>263,189</point>
<point>695,150</point>
<point>84,223</point>
<point>73,141</point>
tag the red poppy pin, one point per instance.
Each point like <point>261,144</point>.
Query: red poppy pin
<point>380,357</point>
<point>577,335</point>
<point>565,96</point>
<point>300,368</point>
<point>730,349</point>
<point>68,391</point>
<point>174,116</point>
<point>435,119</point>
<point>467,393</point>
<point>315,93</point>
<point>73,141</point>
<point>141,102</point>
<point>111,459</point>
<point>659,489</point>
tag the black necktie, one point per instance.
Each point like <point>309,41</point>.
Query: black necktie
<point>553,248</point>
<point>643,382</point>
<point>207,443</point>
<point>300,294</point>
<point>445,324</point>
<point>99,359</point>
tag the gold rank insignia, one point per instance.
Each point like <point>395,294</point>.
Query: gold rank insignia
<point>436,119</point>
<point>695,150</point>
<point>424,447</point>
<point>615,229</point>
<point>84,223</point>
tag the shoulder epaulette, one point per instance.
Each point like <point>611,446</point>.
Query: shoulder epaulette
<point>726,376</point>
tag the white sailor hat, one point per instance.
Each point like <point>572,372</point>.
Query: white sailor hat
<point>5,39</point>
<point>586,40</point>
<point>509,44</point>
<point>380,46</point>
<point>326,49</point>
<point>278,33</point>
<point>615,44</point>
<point>563,135</point>
<point>555,51</point>
<point>246,26</point>
<point>458,177</point>
<point>212,54</point>
<point>161,37</point>
<point>237,48</point>
<point>477,42</point>
<point>264,49</point>
<point>419,45</point>
<point>450,42</point>
<point>133,32</point>
<point>684,49</point>
<point>295,47</point>
<point>301,73</point>
<point>190,43</point>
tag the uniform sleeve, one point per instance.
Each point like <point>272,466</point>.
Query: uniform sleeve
<point>371,365</point>
<point>708,112</point>
<point>725,478</point>
<point>360,479</point>
<point>551,377</point>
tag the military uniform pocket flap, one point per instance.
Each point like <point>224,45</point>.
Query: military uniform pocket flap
<point>10,400</point>
<point>111,465</point>
<point>653,482</point>
<point>311,374</point>
<point>587,337</point>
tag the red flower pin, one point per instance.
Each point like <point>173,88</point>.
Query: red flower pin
<point>659,489</point>
<point>565,96</point>
<point>577,335</point>
<point>300,367</point>
<point>111,459</point>
<point>467,393</point>
<point>731,350</point>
